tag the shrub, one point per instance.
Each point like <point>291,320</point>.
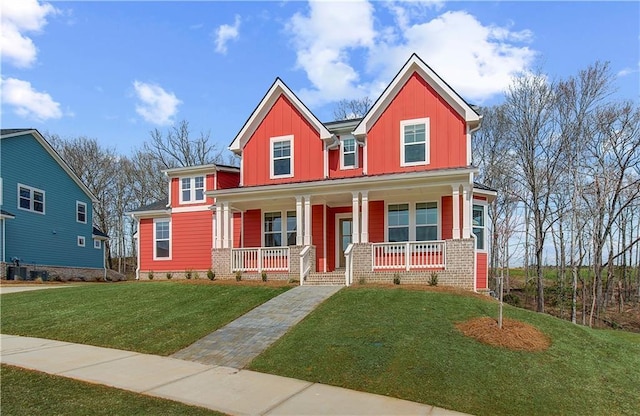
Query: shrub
<point>511,299</point>
<point>169,275</point>
<point>433,280</point>
<point>211,274</point>
<point>238,276</point>
<point>196,276</point>
<point>292,280</point>
<point>362,280</point>
<point>150,275</point>
<point>264,276</point>
<point>188,274</point>
<point>396,279</point>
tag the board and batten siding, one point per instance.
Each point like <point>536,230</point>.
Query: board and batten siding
<point>49,239</point>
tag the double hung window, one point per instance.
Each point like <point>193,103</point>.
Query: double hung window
<point>414,142</point>
<point>281,157</point>
<point>277,231</point>
<point>162,239</point>
<point>30,199</point>
<point>349,153</point>
<point>478,223</point>
<point>412,222</point>
<point>81,212</point>
<point>192,189</point>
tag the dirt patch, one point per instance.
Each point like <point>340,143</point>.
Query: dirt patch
<point>268,283</point>
<point>514,335</point>
<point>423,288</point>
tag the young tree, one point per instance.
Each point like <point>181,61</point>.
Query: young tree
<point>350,109</point>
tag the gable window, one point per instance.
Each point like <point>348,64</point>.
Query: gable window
<point>276,231</point>
<point>192,189</point>
<point>80,241</point>
<point>30,199</point>
<point>281,157</point>
<point>349,153</point>
<point>414,142</point>
<point>478,222</point>
<point>412,222</point>
<point>97,244</point>
<point>81,212</point>
<point>161,239</point>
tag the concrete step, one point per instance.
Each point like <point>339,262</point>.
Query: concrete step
<point>325,279</point>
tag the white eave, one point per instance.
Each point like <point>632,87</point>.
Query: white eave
<point>199,169</point>
<point>417,65</point>
<point>277,89</point>
<point>156,213</point>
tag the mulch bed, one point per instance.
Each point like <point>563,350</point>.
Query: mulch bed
<point>514,335</point>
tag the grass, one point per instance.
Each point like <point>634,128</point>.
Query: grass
<point>403,343</point>
<point>27,392</point>
<point>151,317</point>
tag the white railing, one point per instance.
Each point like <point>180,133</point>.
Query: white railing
<point>409,256</point>
<point>305,263</point>
<point>348,265</point>
<point>260,259</point>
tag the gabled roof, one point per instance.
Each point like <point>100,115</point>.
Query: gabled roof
<point>6,214</point>
<point>7,133</point>
<point>417,65</point>
<point>98,234</point>
<point>199,169</point>
<point>160,205</point>
<point>277,89</point>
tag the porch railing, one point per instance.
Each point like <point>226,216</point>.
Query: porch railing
<point>260,259</point>
<point>409,256</point>
<point>305,264</point>
<point>348,263</point>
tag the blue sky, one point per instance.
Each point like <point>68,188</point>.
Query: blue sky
<point>116,70</point>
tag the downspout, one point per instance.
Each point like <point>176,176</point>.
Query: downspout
<point>3,239</point>
<point>475,262</point>
<point>137,246</point>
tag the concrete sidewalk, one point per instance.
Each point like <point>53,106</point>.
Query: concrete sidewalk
<point>225,389</point>
<point>6,289</point>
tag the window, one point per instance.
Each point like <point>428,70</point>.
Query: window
<point>414,142</point>
<point>192,189</point>
<point>97,244</point>
<point>478,222</point>
<point>81,212</point>
<point>162,239</point>
<point>30,199</point>
<point>275,233</point>
<point>349,156</point>
<point>426,221</point>
<point>281,157</point>
<point>412,222</point>
<point>80,241</point>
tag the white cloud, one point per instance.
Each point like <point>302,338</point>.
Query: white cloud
<point>628,71</point>
<point>28,102</point>
<point>477,60</point>
<point>156,105</point>
<point>19,17</point>
<point>225,33</point>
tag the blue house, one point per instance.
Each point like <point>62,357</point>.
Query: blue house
<point>46,216</point>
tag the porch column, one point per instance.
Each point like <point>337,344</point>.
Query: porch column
<point>455,195</point>
<point>218,237</point>
<point>364,233</point>
<point>226,224</point>
<point>466,212</point>
<point>307,220</point>
<point>299,214</point>
<point>355,203</point>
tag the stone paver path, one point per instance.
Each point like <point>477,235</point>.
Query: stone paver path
<point>239,342</point>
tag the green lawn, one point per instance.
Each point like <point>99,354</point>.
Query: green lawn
<point>151,317</point>
<point>27,392</point>
<point>403,343</point>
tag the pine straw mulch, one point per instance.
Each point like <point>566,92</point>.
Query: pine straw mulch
<point>514,335</point>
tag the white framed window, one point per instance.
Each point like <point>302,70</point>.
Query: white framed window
<point>97,244</point>
<point>412,222</point>
<point>348,153</point>
<point>281,157</point>
<point>478,221</point>
<point>277,231</point>
<point>414,142</point>
<point>192,189</point>
<point>162,239</point>
<point>80,240</point>
<point>31,199</point>
<point>81,212</point>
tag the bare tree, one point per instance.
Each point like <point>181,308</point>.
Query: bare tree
<point>350,109</point>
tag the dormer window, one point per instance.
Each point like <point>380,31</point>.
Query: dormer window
<point>414,142</point>
<point>192,190</point>
<point>348,153</point>
<point>281,157</point>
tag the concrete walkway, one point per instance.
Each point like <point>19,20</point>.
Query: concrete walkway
<point>239,342</point>
<point>6,289</point>
<point>235,392</point>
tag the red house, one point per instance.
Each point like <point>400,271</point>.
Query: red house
<point>389,195</point>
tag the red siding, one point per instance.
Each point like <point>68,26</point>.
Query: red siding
<point>317,231</point>
<point>416,99</point>
<point>376,221</point>
<point>334,165</point>
<point>447,217</point>
<point>482,271</point>
<point>228,179</point>
<point>252,228</point>
<point>283,119</point>
<point>237,230</point>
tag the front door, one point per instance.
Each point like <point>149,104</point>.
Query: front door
<point>345,228</point>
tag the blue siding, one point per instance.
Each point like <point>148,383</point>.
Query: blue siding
<point>49,239</point>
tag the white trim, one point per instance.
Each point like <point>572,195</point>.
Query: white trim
<point>1,193</point>
<point>412,216</point>
<point>364,226</point>
<point>198,169</point>
<point>97,244</point>
<point>137,239</point>
<point>198,208</point>
<point>218,228</point>
<point>365,157</point>
<point>342,153</point>
<point>78,203</point>
<point>278,139</point>
<point>324,237</point>
<point>299,219</point>
<point>308,237</point>
<point>156,220</point>
<point>81,241</point>
<point>337,218</point>
<point>355,211</point>
<point>427,141</point>
<point>284,231</point>
<point>466,211</point>
<point>192,189</point>
<point>455,211</point>
<point>485,227</point>
<point>325,155</point>
<point>31,199</point>
<point>241,173</point>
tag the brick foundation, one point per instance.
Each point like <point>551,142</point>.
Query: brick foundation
<point>65,274</point>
